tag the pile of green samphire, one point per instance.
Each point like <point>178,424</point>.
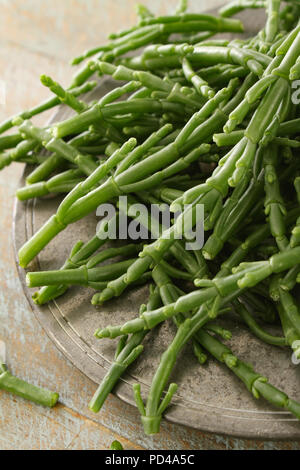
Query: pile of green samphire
<point>199,120</point>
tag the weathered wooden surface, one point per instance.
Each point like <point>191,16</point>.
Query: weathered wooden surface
<point>39,36</point>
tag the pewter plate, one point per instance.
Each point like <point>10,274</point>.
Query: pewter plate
<point>210,398</point>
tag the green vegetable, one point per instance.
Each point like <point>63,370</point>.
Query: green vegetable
<point>116,445</point>
<point>239,5</point>
<point>23,389</point>
<point>127,352</point>
<point>255,383</point>
<point>49,104</point>
<point>196,120</point>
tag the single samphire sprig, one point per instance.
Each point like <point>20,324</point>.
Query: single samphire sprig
<point>16,386</point>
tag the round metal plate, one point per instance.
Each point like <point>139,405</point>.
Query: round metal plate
<point>210,397</point>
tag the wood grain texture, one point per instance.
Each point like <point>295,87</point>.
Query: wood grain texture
<point>40,36</point>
